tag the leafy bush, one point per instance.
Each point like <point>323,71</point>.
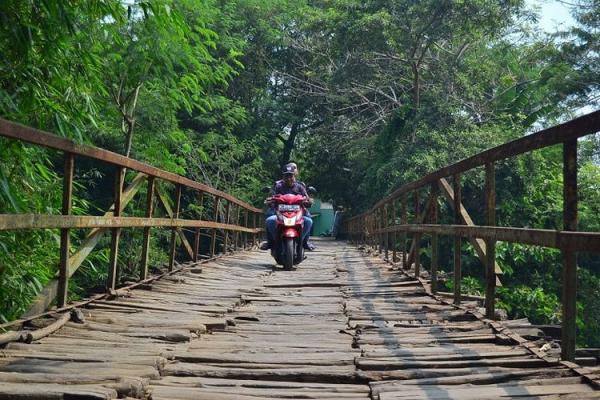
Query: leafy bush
<point>532,303</point>
<point>469,285</point>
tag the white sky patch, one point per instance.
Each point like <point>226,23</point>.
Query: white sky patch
<point>554,15</point>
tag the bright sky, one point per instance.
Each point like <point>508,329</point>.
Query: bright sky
<point>553,14</point>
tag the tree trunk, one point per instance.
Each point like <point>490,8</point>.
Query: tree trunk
<point>128,125</point>
<point>129,120</point>
<point>416,96</point>
<point>288,145</point>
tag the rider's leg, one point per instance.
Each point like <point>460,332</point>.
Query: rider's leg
<point>306,230</point>
<point>271,228</point>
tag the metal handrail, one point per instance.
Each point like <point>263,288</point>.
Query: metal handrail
<point>375,226</point>
<point>247,221</point>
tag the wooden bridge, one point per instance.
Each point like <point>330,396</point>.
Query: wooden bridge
<point>345,324</point>
<point>360,318</point>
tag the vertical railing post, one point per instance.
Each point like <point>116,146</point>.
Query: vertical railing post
<point>490,244</point>
<point>238,223</point>
<point>457,240</point>
<point>245,234</point>
<point>376,226</point>
<point>417,237</point>
<point>225,231</point>
<point>395,234</point>
<point>376,237</point>
<point>146,238</point>
<point>360,226</point>
<point>404,219</point>
<point>372,223</point>
<point>254,226</point>
<point>197,230</point>
<point>386,223</point>
<point>234,221</point>
<point>116,232</point>
<point>379,227</point>
<point>213,240</point>
<point>365,224</point>
<point>65,239</point>
<point>174,229</point>
<point>434,237</point>
<point>360,230</point>
<point>368,230</point>
<point>367,221</point>
<point>261,225</point>
<point>569,257</point>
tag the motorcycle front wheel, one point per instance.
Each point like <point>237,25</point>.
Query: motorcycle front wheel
<point>288,253</point>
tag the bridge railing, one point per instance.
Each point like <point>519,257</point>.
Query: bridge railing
<point>239,222</point>
<point>375,226</point>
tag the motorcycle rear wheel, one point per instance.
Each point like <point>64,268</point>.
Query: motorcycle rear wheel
<point>288,253</point>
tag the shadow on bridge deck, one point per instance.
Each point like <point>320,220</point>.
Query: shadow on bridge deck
<point>343,325</point>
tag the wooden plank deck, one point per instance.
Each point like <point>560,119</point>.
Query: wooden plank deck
<point>344,325</point>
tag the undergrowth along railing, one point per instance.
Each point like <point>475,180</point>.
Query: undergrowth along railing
<point>374,227</point>
<point>235,224</point>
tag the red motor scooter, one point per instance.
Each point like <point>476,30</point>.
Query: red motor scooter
<point>287,249</point>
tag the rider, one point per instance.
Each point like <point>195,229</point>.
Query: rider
<point>287,185</point>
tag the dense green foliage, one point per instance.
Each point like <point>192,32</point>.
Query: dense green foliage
<point>365,95</point>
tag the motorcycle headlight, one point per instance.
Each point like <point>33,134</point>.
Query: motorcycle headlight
<point>289,221</point>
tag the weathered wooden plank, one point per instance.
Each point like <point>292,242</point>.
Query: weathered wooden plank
<point>515,375</point>
<point>266,384</point>
<point>235,393</point>
<point>469,363</point>
<point>133,359</point>
<point>38,391</point>
<point>488,392</point>
<point>318,359</point>
<point>99,369</point>
<point>462,356</point>
<point>335,374</point>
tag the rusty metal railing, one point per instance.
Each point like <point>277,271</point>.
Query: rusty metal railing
<point>375,226</point>
<point>239,220</point>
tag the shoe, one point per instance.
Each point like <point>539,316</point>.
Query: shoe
<point>309,246</point>
<point>265,246</point>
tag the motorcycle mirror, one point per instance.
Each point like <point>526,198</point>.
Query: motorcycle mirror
<point>266,189</point>
<point>311,190</point>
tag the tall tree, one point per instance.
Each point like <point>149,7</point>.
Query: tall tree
<point>582,50</point>
<point>162,49</point>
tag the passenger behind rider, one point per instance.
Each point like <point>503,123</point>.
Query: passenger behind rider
<point>287,185</point>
